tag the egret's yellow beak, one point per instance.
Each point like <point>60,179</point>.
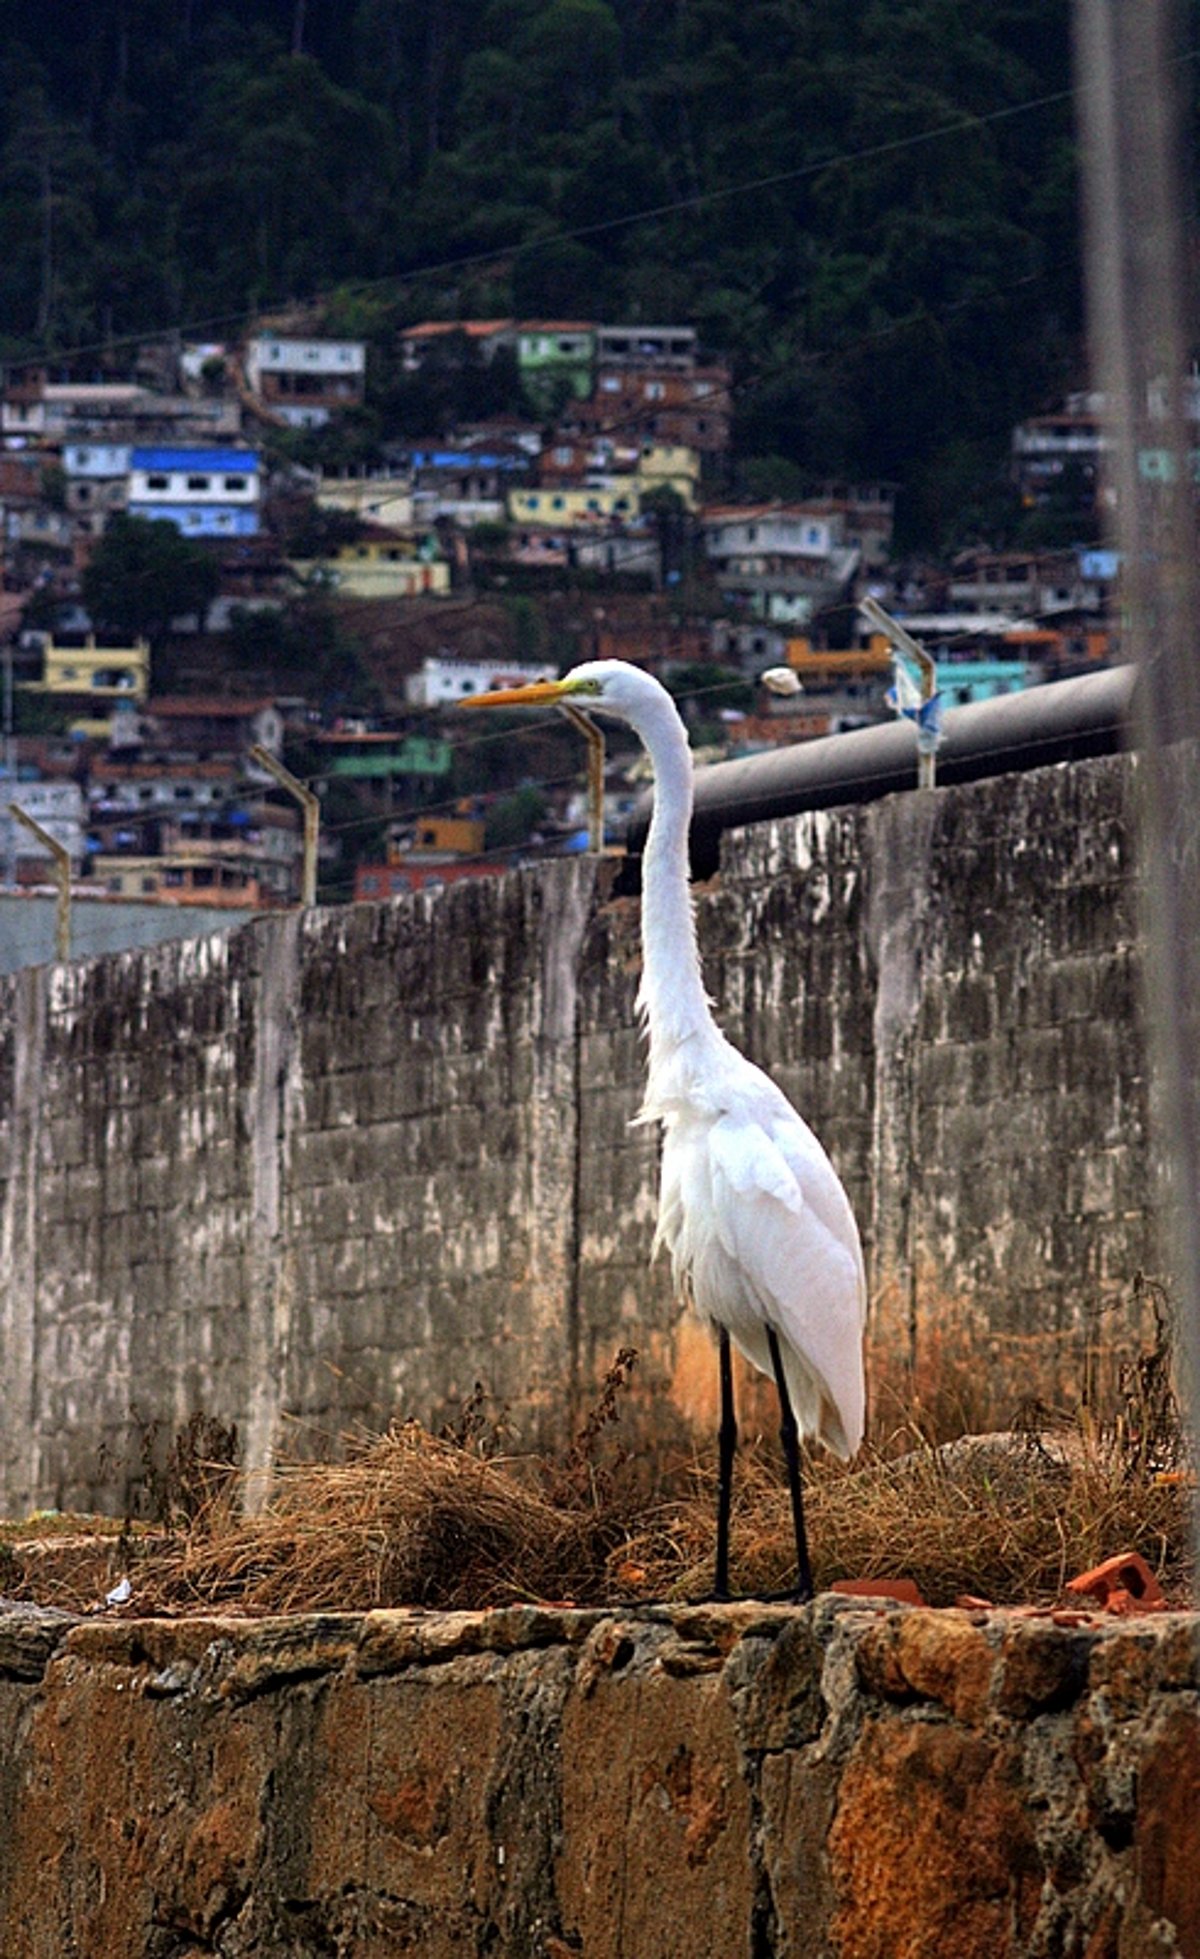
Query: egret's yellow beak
<point>539,693</point>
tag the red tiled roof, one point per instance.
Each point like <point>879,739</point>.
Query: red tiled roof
<point>183,705</point>
<point>154,771</point>
<point>474,329</point>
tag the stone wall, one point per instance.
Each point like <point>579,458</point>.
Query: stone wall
<point>839,1782</point>
<point>335,1167</point>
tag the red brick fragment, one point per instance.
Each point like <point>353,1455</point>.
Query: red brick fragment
<point>967,1602</point>
<point>902,1590</point>
<point>1123,1584</point>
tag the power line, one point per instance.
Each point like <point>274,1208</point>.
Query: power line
<point>695,201</point>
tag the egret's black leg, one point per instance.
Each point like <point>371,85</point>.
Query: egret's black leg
<point>790,1439</point>
<point>726,1443</point>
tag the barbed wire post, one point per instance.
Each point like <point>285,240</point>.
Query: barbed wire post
<point>311,806</point>
<point>62,878</point>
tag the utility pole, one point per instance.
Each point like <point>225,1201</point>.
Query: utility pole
<point>1131,59</point>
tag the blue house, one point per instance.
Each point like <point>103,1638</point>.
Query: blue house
<point>203,492</point>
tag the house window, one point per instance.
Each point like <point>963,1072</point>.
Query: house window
<point>149,884</point>
<point>157,482</point>
<point>183,794</point>
<point>202,876</point>
<point>198,483</point>
<point>235,482</point>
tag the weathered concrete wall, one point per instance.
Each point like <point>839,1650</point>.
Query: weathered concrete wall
<point>841,1782</point>
<point>331,1168</point>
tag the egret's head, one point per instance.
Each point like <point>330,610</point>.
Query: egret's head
<point>602,686</point>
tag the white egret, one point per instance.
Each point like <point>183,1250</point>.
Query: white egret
<point>760,1231</point>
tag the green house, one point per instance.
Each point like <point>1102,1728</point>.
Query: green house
<point>556,358</point>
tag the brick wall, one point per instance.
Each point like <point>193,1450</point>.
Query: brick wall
<point>331,1168</point>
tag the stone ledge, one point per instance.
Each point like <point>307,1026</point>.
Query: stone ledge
<point>853,1780</point>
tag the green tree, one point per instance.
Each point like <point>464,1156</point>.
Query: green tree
<point>143,574</point>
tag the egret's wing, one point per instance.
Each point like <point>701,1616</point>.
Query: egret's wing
<point>791,1260</point>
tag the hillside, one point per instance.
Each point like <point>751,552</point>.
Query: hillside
<point>869,209</point>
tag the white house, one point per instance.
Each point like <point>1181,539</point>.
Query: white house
<point>97,476</point>
<point>781,562</point>
<point>57,807</point>
<point>749,538</point>
<point>306,381</point>
<point>442,680</point>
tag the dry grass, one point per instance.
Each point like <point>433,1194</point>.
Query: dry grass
<point>409,1518</point>
<point>416,1519</point>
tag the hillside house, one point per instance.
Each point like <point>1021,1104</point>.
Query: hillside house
<point>442,680</point>
<point>97,476</point>
<point>640,404</point>
<point>454,340</point>
<point>203,728</point>
<point>203,492</point>
<point>383,499</point>
<point>1060,453</point>
<point>57,807</point>
<point>380,564</point>
<point>661,347</point>
<point>95,674</point>
<point>184,876</point>
<point>1025,583</point>
<point>465,482</point>
<point>305,381</point>
<point>778,562</point>
<point>555,359</point>
<point>34,410</point>
<point>566,506</point>
<point>40,413</point>
<point>860,516</point>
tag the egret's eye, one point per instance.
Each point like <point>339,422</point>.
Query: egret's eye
<point>587,687</point>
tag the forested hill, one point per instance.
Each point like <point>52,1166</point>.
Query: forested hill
<point>870,207</point>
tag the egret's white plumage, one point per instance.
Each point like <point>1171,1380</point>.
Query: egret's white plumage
<point>759,1230</point>
<point>758,1227</point>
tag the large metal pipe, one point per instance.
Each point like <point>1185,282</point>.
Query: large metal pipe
<point>1059,721</point>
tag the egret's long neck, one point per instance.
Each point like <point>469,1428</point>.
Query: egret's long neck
<point>672,990</point>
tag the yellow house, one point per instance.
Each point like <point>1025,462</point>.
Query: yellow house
<point>102,672</point>
<point>568,507</point>
<point>450,836</point>
<point>672,466</point>
<point>382,565</point>
<point>376,499</point>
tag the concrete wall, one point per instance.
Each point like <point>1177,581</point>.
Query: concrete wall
<point>327,1169</point>
<point>98,925</point>
<point>700,1783</point>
